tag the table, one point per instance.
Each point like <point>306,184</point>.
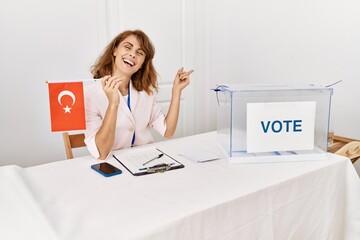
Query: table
<point>212,200</point>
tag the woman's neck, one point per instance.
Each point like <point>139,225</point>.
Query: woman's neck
<point>125,81</point>
<point>124,88</point>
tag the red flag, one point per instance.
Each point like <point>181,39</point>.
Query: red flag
<point>67,106</point>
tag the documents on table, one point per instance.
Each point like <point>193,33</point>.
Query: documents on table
<point>147,160</point>
<point>198,155</point>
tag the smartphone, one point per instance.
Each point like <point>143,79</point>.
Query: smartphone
<point>106,169</point>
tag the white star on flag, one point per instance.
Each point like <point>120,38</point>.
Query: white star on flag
<point>67,109</point>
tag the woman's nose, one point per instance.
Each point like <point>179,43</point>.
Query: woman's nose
<point>132,54</point>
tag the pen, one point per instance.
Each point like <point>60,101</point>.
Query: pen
<point>160,155</point>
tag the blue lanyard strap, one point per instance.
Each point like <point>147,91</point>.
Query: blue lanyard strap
<point>128,103</point>
<point>128,100</point>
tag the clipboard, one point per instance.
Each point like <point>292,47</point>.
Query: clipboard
<point>146,161</point>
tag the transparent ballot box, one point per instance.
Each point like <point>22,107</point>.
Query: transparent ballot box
<point>273,123</point>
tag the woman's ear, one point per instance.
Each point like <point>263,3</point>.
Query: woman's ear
<point>114,52</point>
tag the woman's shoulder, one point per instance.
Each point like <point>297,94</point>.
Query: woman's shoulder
<point>94,90</point>
<point>93,86</point>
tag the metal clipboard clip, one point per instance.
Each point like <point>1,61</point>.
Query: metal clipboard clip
<point>159,168</point>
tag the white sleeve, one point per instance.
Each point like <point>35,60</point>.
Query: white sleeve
<point>157,119</point>
<point>93,122</point>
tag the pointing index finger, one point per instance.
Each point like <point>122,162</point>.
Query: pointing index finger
<point>190,72</point>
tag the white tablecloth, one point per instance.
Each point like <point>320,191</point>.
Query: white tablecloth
<point>213,200</point>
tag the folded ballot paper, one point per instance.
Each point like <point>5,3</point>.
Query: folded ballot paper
<point>197,155</point>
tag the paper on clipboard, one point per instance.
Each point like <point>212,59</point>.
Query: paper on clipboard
<point>138,161</point>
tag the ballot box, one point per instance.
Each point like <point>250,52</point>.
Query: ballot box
<point>273,123</point>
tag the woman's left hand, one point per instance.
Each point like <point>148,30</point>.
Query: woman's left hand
<point>182,79</point>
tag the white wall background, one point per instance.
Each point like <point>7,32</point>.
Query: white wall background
<point>313,41</point>
<point>224,41</point>
<point>40,40</point>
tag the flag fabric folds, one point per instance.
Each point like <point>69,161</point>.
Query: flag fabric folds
<point>67,110</point>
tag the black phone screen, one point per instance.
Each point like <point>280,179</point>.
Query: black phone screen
<point>106,169</point>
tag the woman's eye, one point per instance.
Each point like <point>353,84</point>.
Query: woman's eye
<point>140,53</point>
<point>127,47</point>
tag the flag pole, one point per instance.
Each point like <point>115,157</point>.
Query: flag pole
<point>75,80</point>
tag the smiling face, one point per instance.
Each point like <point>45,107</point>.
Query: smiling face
<point>129,57</point>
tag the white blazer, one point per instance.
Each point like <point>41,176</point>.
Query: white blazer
<point>145,114</point>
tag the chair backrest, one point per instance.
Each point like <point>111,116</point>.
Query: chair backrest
<point>73,141</point>
<point>339,142</point>
<point>350,150</point>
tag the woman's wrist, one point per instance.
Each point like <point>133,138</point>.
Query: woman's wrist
<point>176,92</point>
<point>113,105</point>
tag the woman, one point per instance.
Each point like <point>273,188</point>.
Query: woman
<point>121,109</point>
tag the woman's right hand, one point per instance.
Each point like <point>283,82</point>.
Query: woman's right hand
<point>111,88</point>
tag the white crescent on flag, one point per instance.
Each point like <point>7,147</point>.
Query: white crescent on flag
<point>68,93</point>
